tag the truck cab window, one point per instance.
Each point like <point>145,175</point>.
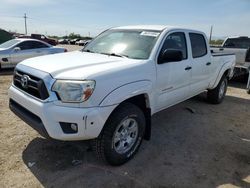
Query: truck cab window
<point>176,41</point>
<point>198,44</point>
<point>241,42</point>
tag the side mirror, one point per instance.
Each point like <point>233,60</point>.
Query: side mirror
<point>170,55</point>
<point>16,49</point>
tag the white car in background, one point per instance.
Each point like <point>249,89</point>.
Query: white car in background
<point>17,50</point>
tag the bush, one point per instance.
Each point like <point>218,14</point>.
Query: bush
<point>216,42</point>
<point>5,36</point>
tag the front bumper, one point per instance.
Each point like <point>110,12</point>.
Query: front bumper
<point>44,117</point>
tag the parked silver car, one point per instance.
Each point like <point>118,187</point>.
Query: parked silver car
<point>17,50</point>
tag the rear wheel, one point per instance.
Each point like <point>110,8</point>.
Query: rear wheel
<point>122,135</point>
<point>216,95</point>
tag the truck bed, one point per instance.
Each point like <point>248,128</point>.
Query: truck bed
<point>241,55</point>
<point>220,53</point>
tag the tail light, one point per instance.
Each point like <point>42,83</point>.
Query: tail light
<point>248,55</point>
<point>65,50</point>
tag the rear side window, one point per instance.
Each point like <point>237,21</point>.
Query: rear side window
<point>36,44</point>
<point>198,44</point>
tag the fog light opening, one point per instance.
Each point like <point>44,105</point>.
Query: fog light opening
<point>69,128</point>
<point>73,126</point>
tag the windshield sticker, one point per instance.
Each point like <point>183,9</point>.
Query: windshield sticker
<point>149,33</point>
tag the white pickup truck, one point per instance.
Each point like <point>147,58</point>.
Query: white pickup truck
<point>108,91</point>
<point>240,46</point>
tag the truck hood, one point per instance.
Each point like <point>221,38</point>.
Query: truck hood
<point>77,64</point>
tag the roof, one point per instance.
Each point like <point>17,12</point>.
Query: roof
<point>29,39</point>
<point>238,37</point>
<point>25,39</point>
<point>156,28</point>
<point>146,27</point>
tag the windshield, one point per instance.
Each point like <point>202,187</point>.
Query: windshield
<point>136,44</point>
<point>238,43</point>
<point>9,43</point>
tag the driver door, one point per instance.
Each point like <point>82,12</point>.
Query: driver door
<point>173,78</point>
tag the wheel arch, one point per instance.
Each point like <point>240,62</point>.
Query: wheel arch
<point>137,93</point>
<point>224,72</point>
<point>142,101</point>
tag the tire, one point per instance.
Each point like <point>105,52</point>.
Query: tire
<point>216,95</point>
<point>116,146</point>
<point>248,91</point>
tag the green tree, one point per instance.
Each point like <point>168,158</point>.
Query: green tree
<point>5,36</point>
<point>216,42</point>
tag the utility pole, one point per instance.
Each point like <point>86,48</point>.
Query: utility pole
<point>25,17</point>
<point>211,33</point>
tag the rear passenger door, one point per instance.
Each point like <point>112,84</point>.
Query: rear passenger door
<point>201,61</point>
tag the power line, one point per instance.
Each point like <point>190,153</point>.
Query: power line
<point>52,22</point>
<point>10,16</point>
<point>49,21</point>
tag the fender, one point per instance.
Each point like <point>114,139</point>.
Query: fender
<point>126,91</point>
<point>224,68</point>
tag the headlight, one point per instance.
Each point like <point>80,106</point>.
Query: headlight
<point>74,91</point>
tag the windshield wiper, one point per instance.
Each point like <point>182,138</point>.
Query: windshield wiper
<point>115,54</point>
<point>87,51</point>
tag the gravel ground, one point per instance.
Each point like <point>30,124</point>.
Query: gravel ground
<point>209,147</point>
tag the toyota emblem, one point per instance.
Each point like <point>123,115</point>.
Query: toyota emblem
<point>24,81</point>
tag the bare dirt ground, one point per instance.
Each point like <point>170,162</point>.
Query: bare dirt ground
<point>207,148</point>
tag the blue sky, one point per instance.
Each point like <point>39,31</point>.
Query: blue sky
<point>60,17</point>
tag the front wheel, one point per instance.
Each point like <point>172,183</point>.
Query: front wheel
<point>122,135</point>
<point>216,95</point>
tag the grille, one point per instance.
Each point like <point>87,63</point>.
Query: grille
<point>248,55</point>
<point>31,85</point>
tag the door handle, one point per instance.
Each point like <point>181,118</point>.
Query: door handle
<point>188,68</point>
<point>5,59</point>
<point>208,63</point>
